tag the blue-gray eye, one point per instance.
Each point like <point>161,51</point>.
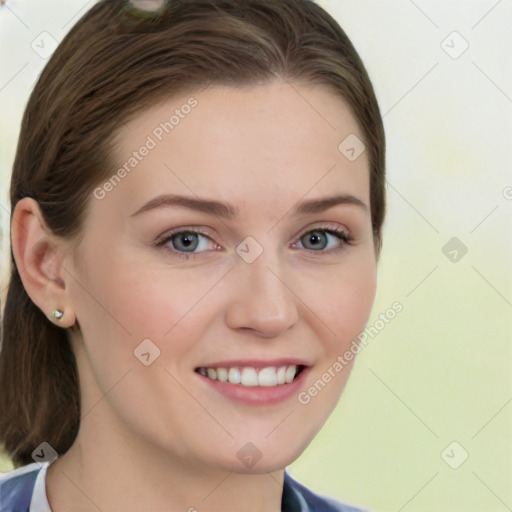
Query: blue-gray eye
<point>319,239</point>
<point>186,241</point>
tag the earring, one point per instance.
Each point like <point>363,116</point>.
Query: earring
<point>57,314</point>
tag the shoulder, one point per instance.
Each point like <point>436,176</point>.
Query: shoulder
<point>16,488</point>
<point>298,498</point>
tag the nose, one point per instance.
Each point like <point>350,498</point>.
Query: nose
<point>261,299</point>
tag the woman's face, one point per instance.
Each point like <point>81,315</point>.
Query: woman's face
<point>252,281</point>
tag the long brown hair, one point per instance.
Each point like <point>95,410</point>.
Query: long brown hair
<point>113,63</point>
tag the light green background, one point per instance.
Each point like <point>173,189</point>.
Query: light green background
<point>441,370</point>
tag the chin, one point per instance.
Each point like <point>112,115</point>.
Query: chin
<point>260,457</point>
<point>264,465</point>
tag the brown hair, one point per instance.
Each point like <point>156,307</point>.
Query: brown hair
<point>112,64</point>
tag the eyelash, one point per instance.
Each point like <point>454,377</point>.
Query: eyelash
<point>330,229</point>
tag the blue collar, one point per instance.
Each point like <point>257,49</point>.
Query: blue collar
<point>16,492</point>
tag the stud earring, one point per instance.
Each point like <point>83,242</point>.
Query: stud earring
<point>57,314</point>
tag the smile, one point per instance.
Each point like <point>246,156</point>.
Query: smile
<point>248,376</point>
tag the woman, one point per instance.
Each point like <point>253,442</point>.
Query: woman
<point>197,203</point>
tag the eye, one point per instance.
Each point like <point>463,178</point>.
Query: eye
<point>185,242</point>
<point>325,239</point>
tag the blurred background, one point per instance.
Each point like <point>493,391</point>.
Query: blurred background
<point>425,423</point>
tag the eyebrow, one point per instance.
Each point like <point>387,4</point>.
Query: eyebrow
<point>228,211</point>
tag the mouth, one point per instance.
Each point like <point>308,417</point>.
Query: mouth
<point>249,376</point>
<point>255,383</point>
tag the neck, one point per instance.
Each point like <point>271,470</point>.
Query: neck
<point>108,470</point>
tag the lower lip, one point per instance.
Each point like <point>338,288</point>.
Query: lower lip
<point>258,395</point>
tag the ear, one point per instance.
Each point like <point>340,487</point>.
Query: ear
<point>39,256</point>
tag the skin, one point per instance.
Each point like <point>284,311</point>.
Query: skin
<point>170,439</point>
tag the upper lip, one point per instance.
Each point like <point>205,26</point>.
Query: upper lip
<point>255,363</point>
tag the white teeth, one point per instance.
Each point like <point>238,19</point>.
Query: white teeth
<point>268,377</point>
<point>290,373</point>
<point>281,375</point>
<point>251,377</point>
<point>234,376</point>
<point>222,374</point>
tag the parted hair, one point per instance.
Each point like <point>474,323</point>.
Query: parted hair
<point>119,59</point>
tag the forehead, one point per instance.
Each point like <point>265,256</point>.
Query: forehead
<point>259,143</point>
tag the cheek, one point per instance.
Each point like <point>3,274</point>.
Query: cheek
<point>157,302</point>
<point>143,297</point>
<point>171,308</point>
<point>344,302</point>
